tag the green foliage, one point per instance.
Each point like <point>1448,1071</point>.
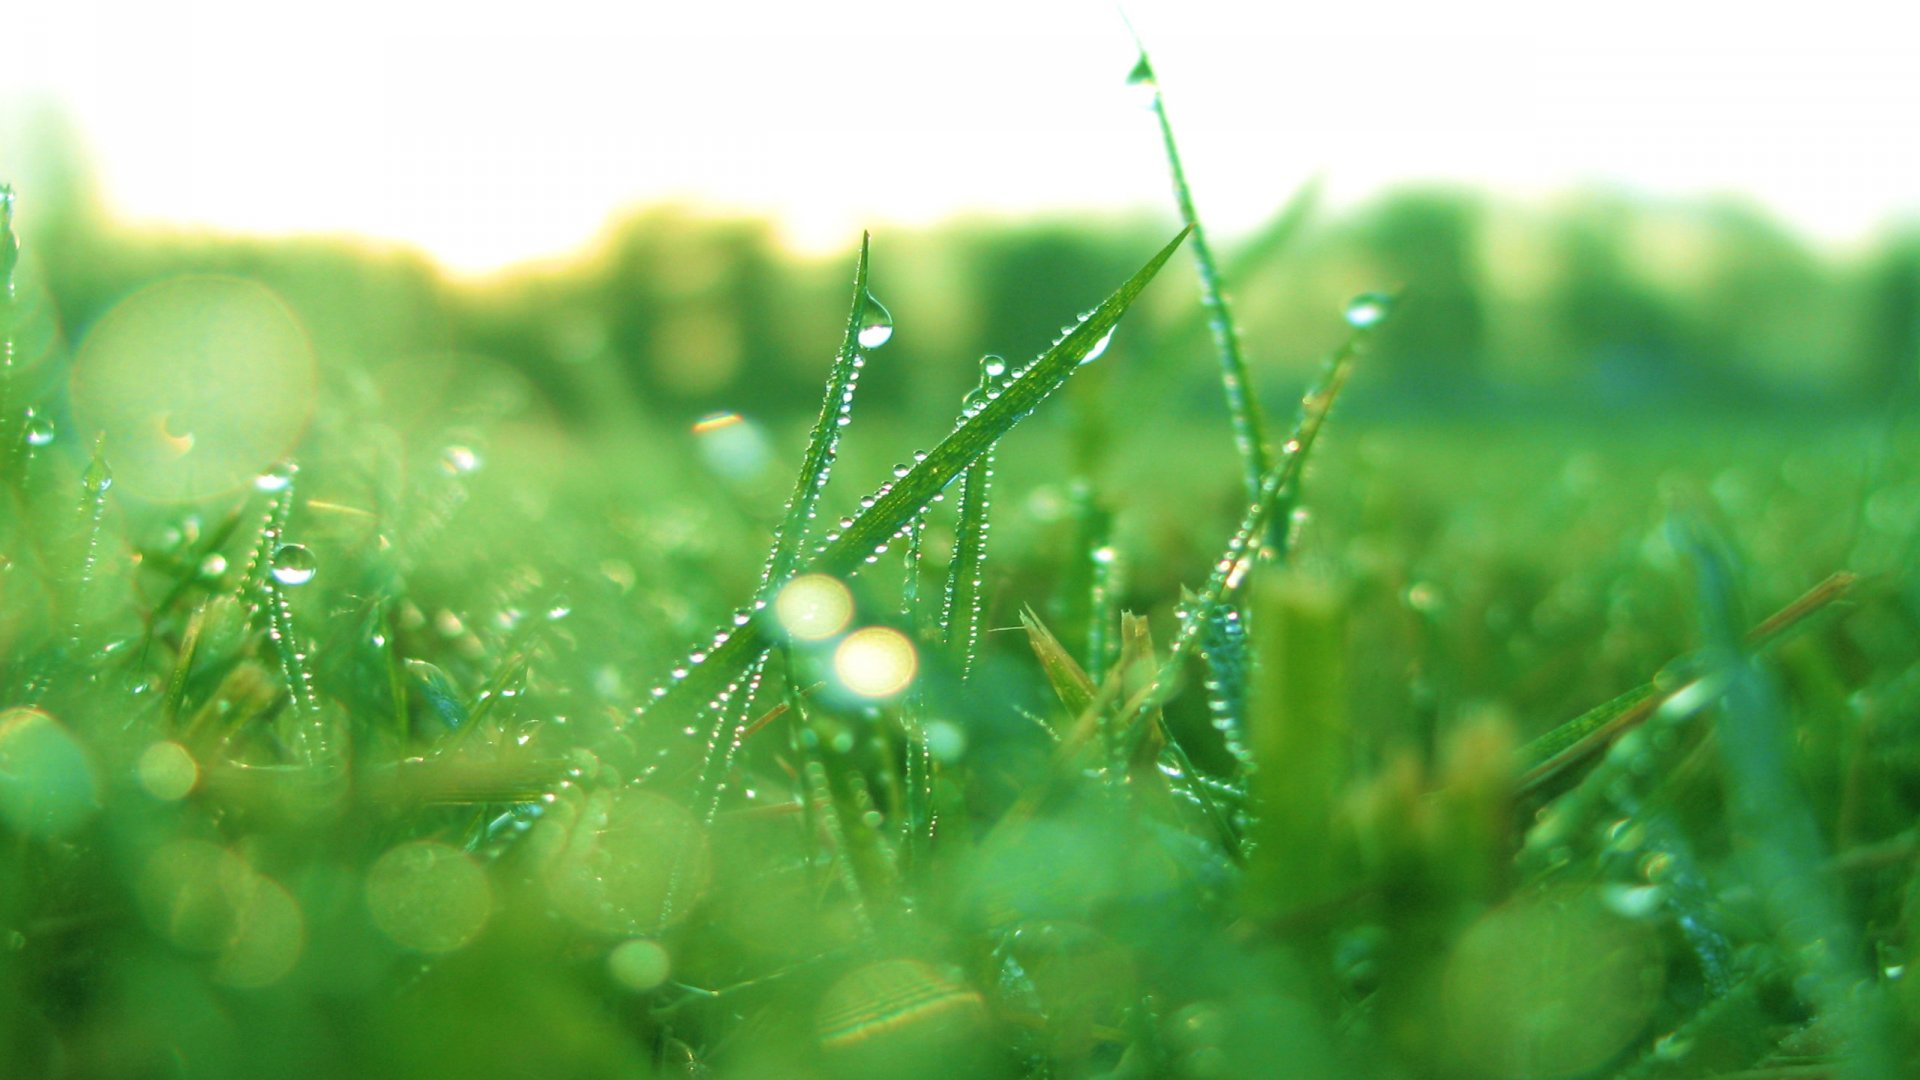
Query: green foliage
<point>398,760</point>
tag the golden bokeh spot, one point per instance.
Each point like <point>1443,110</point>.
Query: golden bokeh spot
<point>206,899</point>
<point>630,862</point>
<point>899,1017</point>
<point>198,383</point>
<point>167,771</point>
<point>47,784</point>
<point>428,897</point>
<point>269,934</point>
<point>876,662</point>
<point>813,607</point>
<point>1549,984</point>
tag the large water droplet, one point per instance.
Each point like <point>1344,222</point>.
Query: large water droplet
<point>294,565</point>
<point>993,366</point>
<point>98,478</point>
<point>39,430</point>
<point>876,325</point>
<point>275,479</point>
<point>1368,310</point>
<point>1099,347</point>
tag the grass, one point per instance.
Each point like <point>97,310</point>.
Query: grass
<point>1438,748</point>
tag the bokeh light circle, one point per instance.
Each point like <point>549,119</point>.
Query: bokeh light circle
<point>1549,984</point>
<point>814,607</point>
<point>47,782</point>
<point>876,662</point>
<point>198,382</point>
<point>428,897</point>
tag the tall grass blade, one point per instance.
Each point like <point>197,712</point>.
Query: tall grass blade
<point>895,505</point>
<point>1243,406</point>
<point>823,446</point>
<point>1243,549</point>
<point>12,437</point>
<point>962,606</point>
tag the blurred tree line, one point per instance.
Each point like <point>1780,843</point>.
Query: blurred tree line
<point>1594,304</point>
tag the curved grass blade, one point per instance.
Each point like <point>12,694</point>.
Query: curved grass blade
<point>1277,495</point>
<point>728,728</point>
<point>707,670</point>
<point>823,446</point>
<point>1141,719</point>
<point>1565,746</point>
<point>1243,407</point>
<point>962,607</point>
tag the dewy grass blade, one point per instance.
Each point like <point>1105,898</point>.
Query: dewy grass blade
<point>962,606</point>
<point>1244,547</point>
<point>10,435</point>
<point>1557,750</point>
<point>896,504</point>
<point>816,467</point>
<point>1243,407</point>
<point>868,326</point>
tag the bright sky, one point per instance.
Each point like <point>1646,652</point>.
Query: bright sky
<point>490,132</point>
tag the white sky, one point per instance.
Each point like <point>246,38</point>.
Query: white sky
<point>490,132</point>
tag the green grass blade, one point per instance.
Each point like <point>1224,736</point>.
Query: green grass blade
<point>1230,571</point>
<point>963,608</point>
<point>707,670</point>
<point>836,408</point>
<point>1552,753</point>
<point>1243,407</point>
<point>10,425</point>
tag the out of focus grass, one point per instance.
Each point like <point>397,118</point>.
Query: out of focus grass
<point>417,813</point>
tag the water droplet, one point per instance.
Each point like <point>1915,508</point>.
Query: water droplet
<point>274,479</point>
<point>1099,347</point>
<point>876,325</point>
<point>1368,310</point>
<point>213,565</point>
<point>993,366</point>
<point>294,565</point>
<point>98,478</point>
<point>459,460</point>
<point>39,431</point>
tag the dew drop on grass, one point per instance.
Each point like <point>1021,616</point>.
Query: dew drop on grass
<point>1368,310</point>
<point>993,366</point>
<point>876,324</point>
<point>98,478</point>
<point>39,430</point>
<point>294,565</point>
<point>213,565</point>
<point>1099,348</point>
<point>275,479</point>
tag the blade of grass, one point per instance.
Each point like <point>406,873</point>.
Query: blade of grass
<point>10,434</point>
<point>707,670</point>
<point>962,609</point>
<point>1590,732</point>
<point>823,446</point>
<point>1230,571</point>
<point>1243,407</point>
